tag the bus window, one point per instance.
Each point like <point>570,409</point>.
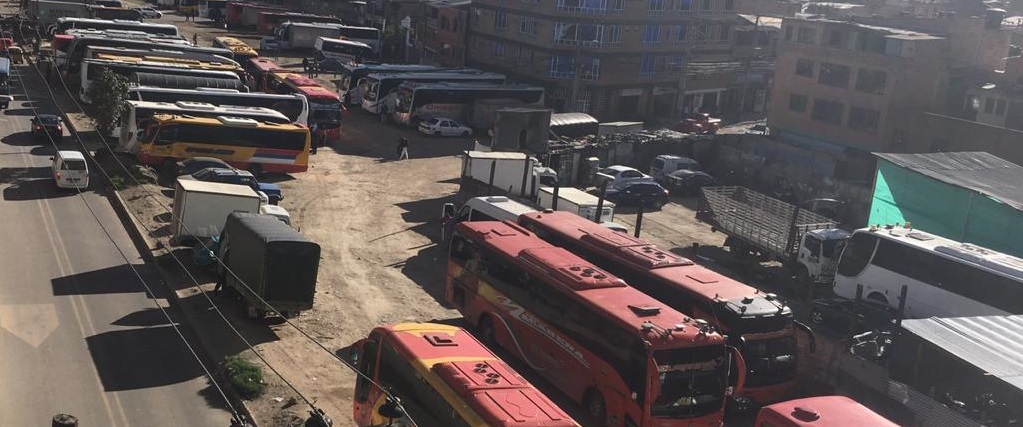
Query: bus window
<point>367,366</point>
<point>857,254</point>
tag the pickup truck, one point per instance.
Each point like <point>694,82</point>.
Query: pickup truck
<point>236,176</point>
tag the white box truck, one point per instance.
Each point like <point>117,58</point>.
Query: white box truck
<point>200,208</point>
<point>576,201</point>
<point>511,171</point>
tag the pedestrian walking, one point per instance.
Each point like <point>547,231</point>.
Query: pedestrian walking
<point>195,39</point>
<point>305,65</point>
<point>315,131</point>
<point>403,148</point>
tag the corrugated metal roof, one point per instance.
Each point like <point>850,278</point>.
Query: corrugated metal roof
<point>979,171</point>
<point>994,344</point>
<point>565,119</point>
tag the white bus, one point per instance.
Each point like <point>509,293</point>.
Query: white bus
<point>140,113</point>
<point>206,5</point>
<point>344,51</point>
<point>351,74</point>
<point>377,89</point>
<point>70,61</point>
<point>367,35</point>
<point>67,23</point>
<point>294,106</point>
<point>415,102</point>
<point>91,69</point>
<point>944,278</point>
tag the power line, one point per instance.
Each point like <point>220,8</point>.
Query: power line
<point>221,263</point>
<point>152,295</point>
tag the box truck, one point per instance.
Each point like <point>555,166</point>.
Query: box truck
<point>576,201</point>
<point>201,208</point>
<point>516,174</point>
<point>269,264</point>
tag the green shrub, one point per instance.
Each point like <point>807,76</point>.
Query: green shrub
<point>118,182</point>
<point>246,377</point>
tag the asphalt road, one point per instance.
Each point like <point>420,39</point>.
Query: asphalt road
<point>78,333</point>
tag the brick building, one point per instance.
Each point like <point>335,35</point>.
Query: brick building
<point>618,59</point>
<point>442,33</point>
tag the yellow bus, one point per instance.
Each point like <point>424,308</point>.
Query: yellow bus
<point>194,64</point>
<point>241,49</point>
<point>443,376</point>
<point>244,143</point>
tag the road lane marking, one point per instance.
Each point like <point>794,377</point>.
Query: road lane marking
<point>33,323</point>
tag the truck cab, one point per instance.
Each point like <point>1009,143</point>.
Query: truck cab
<point>819,253</point>
<point>491,208</point>
<point>664,164</point>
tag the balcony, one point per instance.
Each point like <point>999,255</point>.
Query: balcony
<point>589,10</point>
<point>584,75</point>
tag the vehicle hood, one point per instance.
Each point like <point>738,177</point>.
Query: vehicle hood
<point>269,188</point>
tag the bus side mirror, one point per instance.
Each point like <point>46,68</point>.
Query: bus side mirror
<point>448,210</point>
<point>391,409</point>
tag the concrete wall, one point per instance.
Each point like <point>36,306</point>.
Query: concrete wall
<point>935,132</point>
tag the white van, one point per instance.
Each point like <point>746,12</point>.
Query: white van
<point>70,170</point>
<point>665,164</point>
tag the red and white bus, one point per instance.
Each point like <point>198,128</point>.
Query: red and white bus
<point>821,411</point>
<point>260,69</point>
<point>325,108</point>
<point>443,376</point>
<point>628,359</point>
<point>766,325</point>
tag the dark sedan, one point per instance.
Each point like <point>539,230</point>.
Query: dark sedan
<point>47,125</point>
<point>837,312</point>
<point>647,194</point>
<point>686,182</point>
<point>196,164</point>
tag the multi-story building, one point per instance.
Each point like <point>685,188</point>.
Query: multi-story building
<point>615,59</point>
<point>441,36</point>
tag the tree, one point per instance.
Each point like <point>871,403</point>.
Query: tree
<point>109,96</point>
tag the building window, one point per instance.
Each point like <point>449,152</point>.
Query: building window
<point>871,81</point>
<point>523,54</point>
<point>797,103</point>
<point>705,5</point>
<point>618,4</point>
<point>680,32</point>
<point>828,111</point>
<point>1000,107</point>
<point>571,33</point>
<point>455,24</point>
<point>804,67</point>
<point>655,4</point>
<point>527,25</point>
<point>562,66</point>
<point>614,33</point>
<point>807,35</point>
<point>863,120</point>
<point>500,20</point>
<point>834,75</point>
<point>444,23</point>
<point>677,62</point>
<point>788,32</point>
<point>836,38</point>
<point>589,68</point>
<point>726,32</point>
<point>989,105</point>
<point>498,49</point>
<point>685,4</point>
<point>729,5</point>
<point>475,15</point>
<point>652,34</point>
<point>648,65</point>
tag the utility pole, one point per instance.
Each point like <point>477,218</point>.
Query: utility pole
<point>749,64</point>
<point>692,31</point>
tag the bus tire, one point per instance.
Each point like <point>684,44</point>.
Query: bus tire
<point>485,327</point>
<point>255,169</point>
<point>596,409</point>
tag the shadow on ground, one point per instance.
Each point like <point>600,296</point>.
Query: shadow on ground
<point>111,280</point>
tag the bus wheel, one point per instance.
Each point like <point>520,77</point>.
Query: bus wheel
<point>486,331</point>
<point>255,169</point>
<point>595,408</point>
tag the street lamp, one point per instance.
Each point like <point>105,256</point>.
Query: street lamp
<point>577,70</point>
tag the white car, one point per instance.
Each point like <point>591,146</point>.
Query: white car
<point>622,175</point>
<point>149,13</point>
<point>441,126</point>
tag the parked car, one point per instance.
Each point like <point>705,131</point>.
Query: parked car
<point>647,194</point>
<point>149,13</point>
<point>442,126</point>
<point>196,164</point>
<point>687,182</point>
<point>236,176</point>
<point>837,312</point>
<point>700,123</point>
<point>70,170</point>
<point>621,175</point>
<point>47,124</point>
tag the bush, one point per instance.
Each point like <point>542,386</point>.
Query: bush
<point>118,182</point>
<point>246,377</point>
<point>109,95</point>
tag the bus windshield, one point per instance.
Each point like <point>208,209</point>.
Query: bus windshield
<point>691,385</point>
<point>325,110</point>
<point>403,101</point>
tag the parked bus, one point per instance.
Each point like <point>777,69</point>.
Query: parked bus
<point>376,89</point>
<point>324,105</point>
<point>91,69</point>
<point>68,23</point>
<point>217,64</point>
<point>188,7</point>
<point>205,6</point>
<point>106,52</point>
<point>100,12</point>
<point>242,51</point>
<point>367,35</point>
<point>268,21</point>
<point>348,83</point>
<point>820,411</point>
<point>627,358</point>
<point>765,324</point>
<point>260,70</point>
<point>294,106</point>
<point>344,51</point>
<point>139,114</point>
<point>76,50</point>
<point>427,365</point>
<point>421,101</point>
<point>944,278</point>
<point>244,143</point>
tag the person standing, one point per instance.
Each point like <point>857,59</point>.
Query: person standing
<point>403,148</point>
<point>195,37</point>
<point>314,130</point>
